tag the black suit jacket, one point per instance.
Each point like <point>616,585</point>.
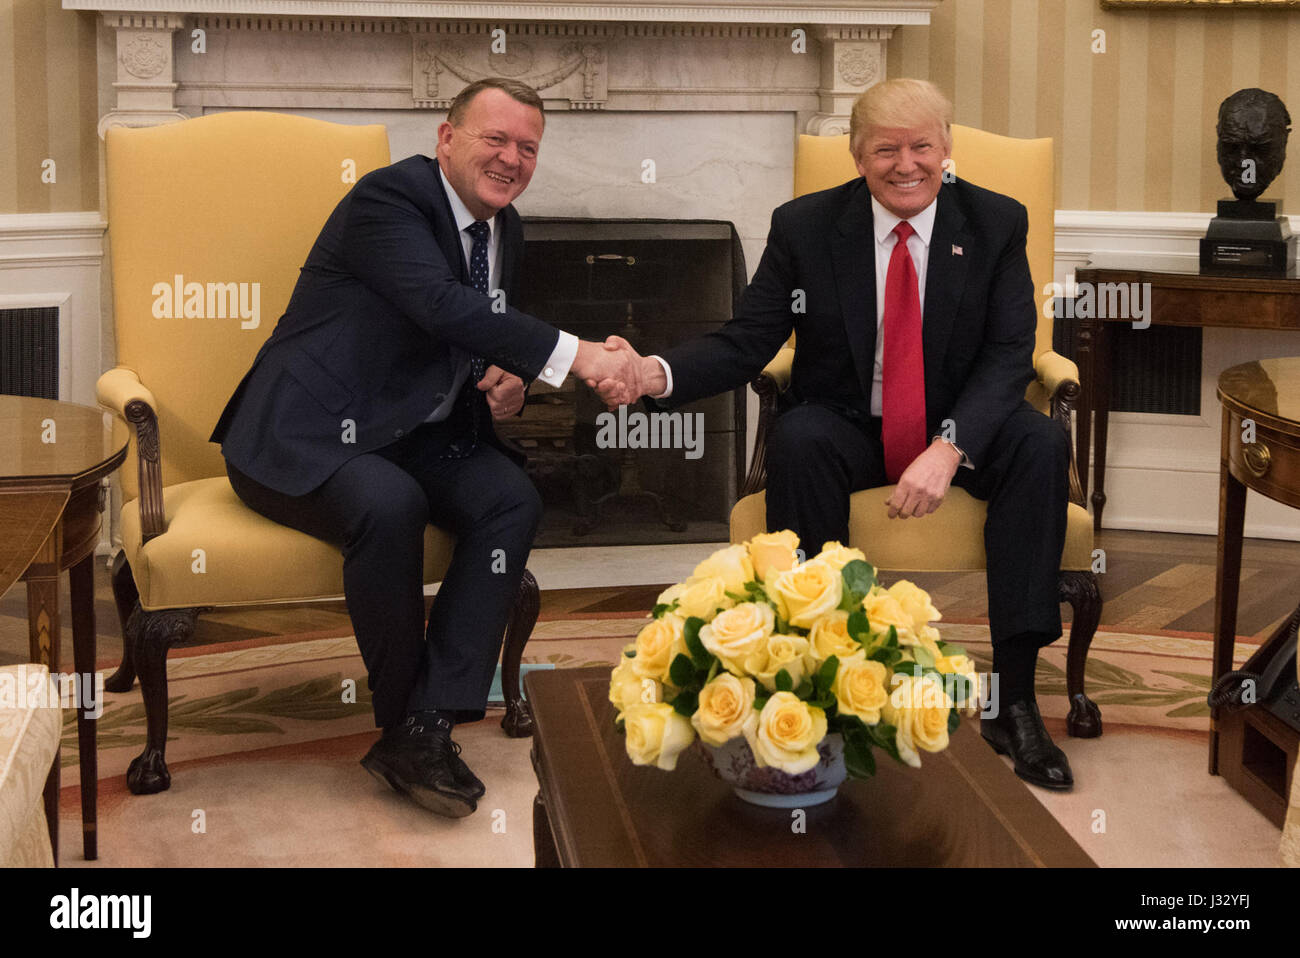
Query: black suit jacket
<point>979,319</point>
<point>380,320</point>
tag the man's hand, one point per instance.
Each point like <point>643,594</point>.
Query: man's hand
<point>925,482</point>
<point>617,372</point>
<point>505,392</point>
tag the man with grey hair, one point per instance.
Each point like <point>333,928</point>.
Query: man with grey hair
<point>368,413</point>
<point>913,353</point>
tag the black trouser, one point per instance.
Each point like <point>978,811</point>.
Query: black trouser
<point>375,508</point>
<point>818,456</point>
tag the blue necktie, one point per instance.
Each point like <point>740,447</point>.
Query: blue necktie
<point>479,231</point>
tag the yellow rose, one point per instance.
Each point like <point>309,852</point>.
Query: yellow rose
<point>738,633</point>
<point>838,556</point>
<point>772,552</point>
<point>807,592</point>
<point>626,688</point>
<point>732,565</point>
<point>786,733</point>
<point>700,597</point>
<point>656,735</point>
<point>657,645</point>
<point>915,602</point>
<point>884,610</point>
<point>789,652</point>
<point>963,666</point>
<point>859,689</point>
<point>918,708</point>
<point>725,706</point>
<point>927,637</point>
<point>830,636</point>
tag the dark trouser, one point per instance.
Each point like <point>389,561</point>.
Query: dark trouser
<point>375,508</point>
<point>818,456</point>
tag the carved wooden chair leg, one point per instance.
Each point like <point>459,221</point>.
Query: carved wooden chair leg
<point>518,721</point>
<point>1082,591</point>
<point>128,600</point>
<point>151,634</point>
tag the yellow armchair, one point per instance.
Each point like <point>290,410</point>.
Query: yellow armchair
<point>952,538</point>
<point>209,222</point>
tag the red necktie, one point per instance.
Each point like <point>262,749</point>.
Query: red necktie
<point>902,400</point>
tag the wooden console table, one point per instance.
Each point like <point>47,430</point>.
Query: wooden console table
<point>1252,748</point>
<point>54,456</point>
<point>1179,297</point>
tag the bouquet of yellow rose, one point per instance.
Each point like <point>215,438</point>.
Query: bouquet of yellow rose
<point>783,652</point>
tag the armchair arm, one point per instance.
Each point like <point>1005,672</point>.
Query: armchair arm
<point>771,382</point>
<point>1059,378</point>
<point>121,391</point>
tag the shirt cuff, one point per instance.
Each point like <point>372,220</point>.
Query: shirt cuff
<point>965,459</point>
<point>561,359</point>
<point>668,376</point>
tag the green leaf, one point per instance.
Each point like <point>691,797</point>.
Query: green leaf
<point>859,627</point>
<point>858,577</point>
<point>891,640</point>
<point>883,735</point>
<point>826,674</point>
<point>886,657</point>
<point>948,649</point>
<point>783,681</point>
<point>663,608</point>
<point>686,704</point>
<point>805,690</point>
<point>954,719</point>
<point>858,760</point>
<point>682,671</point>
<point>760,698</point>
<point>630,653</point>
<point>691,633</point>
<point>923,657</point>
<point>822,703</point>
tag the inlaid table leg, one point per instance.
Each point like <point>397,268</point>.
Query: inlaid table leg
<point>42,578</point>
<point>81,581</point>
<point>1227,581</point>
<point>544,851</point>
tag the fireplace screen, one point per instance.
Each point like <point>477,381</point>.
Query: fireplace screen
<point>636,476</point>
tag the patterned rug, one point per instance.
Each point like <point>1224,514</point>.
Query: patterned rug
<point>284,690</point>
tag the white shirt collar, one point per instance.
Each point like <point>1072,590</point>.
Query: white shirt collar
<point>460,212</point>
<point>883,221</point>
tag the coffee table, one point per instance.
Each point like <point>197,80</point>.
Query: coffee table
<point>595,808</point>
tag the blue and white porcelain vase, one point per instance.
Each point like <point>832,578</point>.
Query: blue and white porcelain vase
<point>734,764</point>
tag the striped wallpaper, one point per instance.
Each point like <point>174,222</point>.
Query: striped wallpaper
<point>48,108</point>
<point>1134,125</point>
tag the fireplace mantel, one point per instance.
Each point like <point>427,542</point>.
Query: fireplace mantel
<point>795,12</point>
<point>179,58</point>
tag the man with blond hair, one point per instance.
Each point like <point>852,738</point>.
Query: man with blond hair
<point>914,348</point>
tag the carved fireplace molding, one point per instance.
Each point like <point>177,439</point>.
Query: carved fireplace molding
<point>178,58</point>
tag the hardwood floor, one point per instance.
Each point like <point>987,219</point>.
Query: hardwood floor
<point>1153,582</point>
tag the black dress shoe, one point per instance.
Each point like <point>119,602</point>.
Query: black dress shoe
<point>464,777</point>
<point>1019,732</point>
<point>419,761</point>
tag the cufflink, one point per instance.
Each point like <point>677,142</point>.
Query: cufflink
<point>549,372</point>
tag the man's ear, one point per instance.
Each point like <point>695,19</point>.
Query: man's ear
<point>445,131</point>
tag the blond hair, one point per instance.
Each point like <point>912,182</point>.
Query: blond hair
<point>900,103</point>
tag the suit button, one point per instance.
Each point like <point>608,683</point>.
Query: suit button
<point>398,433</point>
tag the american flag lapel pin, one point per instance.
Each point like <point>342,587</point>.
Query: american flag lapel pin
<point>956,250</point>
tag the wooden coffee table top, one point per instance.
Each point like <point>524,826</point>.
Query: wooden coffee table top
<point>964,807</point>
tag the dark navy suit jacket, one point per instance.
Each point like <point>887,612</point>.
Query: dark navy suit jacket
<point>380,320</point>
<point>979,317</point>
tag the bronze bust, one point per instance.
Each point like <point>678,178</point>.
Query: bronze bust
<point>1253,127</point>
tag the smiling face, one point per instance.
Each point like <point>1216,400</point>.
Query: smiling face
<point>489,157</point>
<point>903,166</point>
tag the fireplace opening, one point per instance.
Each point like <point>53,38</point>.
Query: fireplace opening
<point>637,476</point>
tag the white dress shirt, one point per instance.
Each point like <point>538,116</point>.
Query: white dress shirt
<point>566,349</point>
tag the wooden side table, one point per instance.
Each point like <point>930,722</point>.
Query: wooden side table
<point>1252,748</point>
<point>1179,297</point>
<point>54,456</point>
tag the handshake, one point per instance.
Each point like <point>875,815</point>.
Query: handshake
<point>618,373</point>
